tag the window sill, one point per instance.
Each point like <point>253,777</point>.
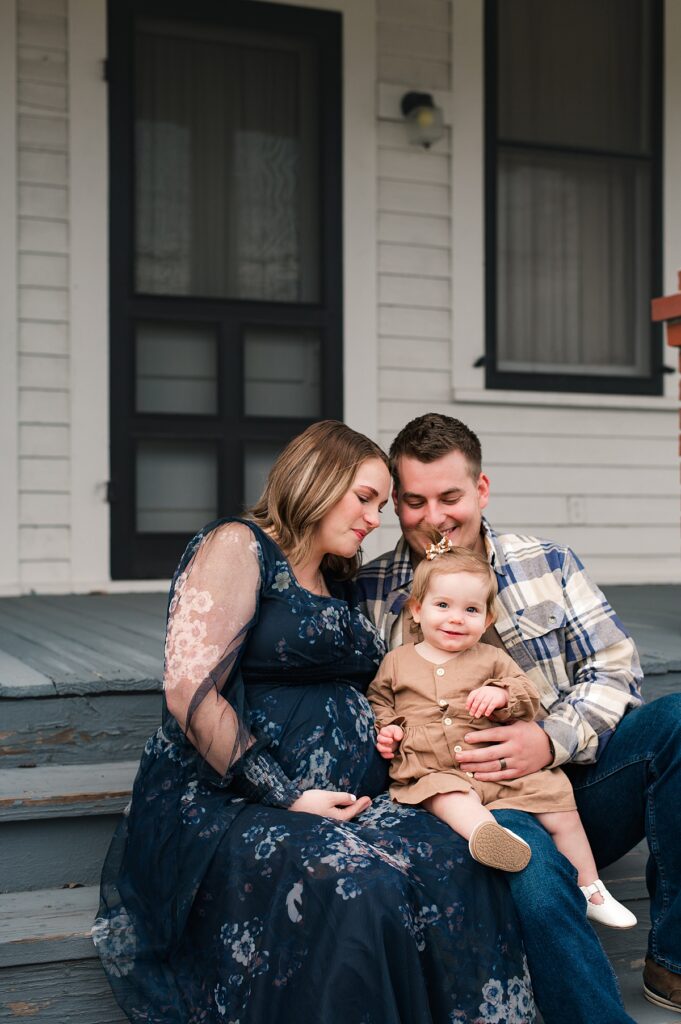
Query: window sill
<point>475,396</point>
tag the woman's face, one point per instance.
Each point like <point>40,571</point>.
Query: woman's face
<point>344,527</point>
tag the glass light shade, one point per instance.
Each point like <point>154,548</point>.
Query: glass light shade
<point>425,126</point>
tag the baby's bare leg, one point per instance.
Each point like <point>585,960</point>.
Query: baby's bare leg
<point>461,811</point>
<point>567,832</point>
<point>488,841</point>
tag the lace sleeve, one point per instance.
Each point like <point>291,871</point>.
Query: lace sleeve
<point>213,605</point>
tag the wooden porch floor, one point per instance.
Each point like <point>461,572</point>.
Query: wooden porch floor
<point>54,646</point>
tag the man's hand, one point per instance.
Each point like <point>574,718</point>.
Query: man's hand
<point>341,806</point>
<point>522,746</point>
<point>387,740</point>
<point>485,700</point>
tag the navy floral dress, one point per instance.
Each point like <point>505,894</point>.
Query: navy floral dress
<point>219,904</point>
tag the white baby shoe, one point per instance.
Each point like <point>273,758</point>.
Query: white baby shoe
<point>609,912</point>
<point>498,847</point>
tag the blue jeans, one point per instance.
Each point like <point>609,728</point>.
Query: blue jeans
<point>634,790</point>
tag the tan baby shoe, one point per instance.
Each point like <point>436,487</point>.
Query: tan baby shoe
<point>498,847</point>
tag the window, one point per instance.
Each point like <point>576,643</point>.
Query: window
<point>226,266</point>
<point>573,232</point>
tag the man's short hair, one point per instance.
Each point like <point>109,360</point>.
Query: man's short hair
<point>432,436</point>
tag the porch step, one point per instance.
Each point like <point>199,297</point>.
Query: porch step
<point>626,878</point>
<point>65,790</point>
<point>56,822</point>
<point>49,971</point>
<point>47,925</point>
<point>77,729</point>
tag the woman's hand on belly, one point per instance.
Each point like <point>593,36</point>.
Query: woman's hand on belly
<point>341,806</point>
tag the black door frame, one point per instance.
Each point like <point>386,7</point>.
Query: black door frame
<point>136,555</point>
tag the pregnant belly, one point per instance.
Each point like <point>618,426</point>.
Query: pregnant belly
<point>322,735</point>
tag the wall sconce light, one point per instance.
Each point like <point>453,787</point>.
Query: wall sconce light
<point>424,119</point>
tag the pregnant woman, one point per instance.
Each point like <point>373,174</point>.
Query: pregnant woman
<point>262,872</point>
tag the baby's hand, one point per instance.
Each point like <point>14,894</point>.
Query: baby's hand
<point>388,738</point>
<point>486,700</point>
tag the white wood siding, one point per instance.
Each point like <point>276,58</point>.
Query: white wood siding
<point>414,213</point>
<point>600,474</point>
<point>43,293</point>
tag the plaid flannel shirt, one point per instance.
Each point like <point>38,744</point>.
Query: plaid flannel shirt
<point>553,621</point>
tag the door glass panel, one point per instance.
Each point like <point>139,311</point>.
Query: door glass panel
<point>258,459</point>
<point>282,370</point>
<point>176,486</point>
<point>227,164</point>
<point>176,368</point>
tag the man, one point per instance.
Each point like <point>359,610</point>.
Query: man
<point>624,759</point>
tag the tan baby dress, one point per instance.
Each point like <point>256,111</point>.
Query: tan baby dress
<point>429,702</point>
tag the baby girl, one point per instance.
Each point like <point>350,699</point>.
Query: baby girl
<point>427,696</point>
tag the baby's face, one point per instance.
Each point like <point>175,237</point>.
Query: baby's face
<point>453,615</point>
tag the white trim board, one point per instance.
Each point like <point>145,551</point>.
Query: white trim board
<point>9,402</point>
<point>89,288</point>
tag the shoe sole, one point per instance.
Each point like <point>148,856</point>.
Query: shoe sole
<point>615,927</point>
<point>653,997</point>
<point>493,846</point>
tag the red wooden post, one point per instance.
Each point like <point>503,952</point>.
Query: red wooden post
<point>667,309</point>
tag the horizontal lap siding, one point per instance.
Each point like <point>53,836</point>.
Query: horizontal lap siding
<point>603,481</point>
<point>43,293</point>
<point>414,203</point>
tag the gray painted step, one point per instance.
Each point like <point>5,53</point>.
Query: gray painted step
<point>80,644</point>
<point>655,686</point>
<point>77,729</point>
<point>49,971</point>
<point>56,822</point>
<point>626,877</point>
<point>59,791</point>
<point>75,992</point>
<point>627,950</point>
<point>651,614</point>
<point>52,852</point>
<point>58,644</point>
<point>47,925</point>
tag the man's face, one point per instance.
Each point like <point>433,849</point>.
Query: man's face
<point>441,495</point>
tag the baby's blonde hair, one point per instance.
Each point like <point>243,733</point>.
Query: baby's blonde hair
<point>454,560</point>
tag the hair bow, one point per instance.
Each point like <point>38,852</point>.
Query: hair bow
<point>441,548</point>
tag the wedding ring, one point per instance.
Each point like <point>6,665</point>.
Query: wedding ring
<point>502,764</point>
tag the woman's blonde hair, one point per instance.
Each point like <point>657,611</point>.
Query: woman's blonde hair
<point>454,560</point>
<point>312,474</point>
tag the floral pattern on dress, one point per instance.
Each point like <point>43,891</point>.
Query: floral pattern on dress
<point>228,903</point>
<point>116,943</point>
